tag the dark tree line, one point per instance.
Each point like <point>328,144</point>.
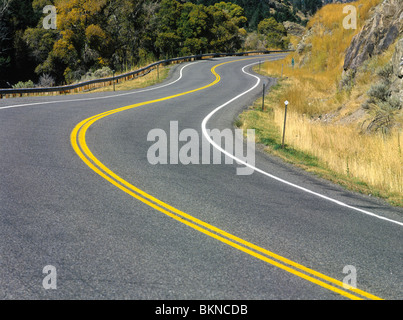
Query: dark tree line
<point>118,34</point>
<point>307,6</point>
<point>96,35</point>
<point>280,10</point>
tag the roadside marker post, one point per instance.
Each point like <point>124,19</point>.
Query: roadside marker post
<point>264,85</point>
<point>285,118</point>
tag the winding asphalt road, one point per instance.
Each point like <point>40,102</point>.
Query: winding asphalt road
<point>78,192</point>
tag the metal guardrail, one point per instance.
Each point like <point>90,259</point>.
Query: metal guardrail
<point>91,84</point>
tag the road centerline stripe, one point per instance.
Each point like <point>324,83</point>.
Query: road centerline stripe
<point>80,147</point>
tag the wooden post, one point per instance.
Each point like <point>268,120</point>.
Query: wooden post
<point>263,96</point>
<point>285,118</point>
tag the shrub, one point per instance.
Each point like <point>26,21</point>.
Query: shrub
<point>379,91</point>
<point>97,74</point>
<point>103,72</point>
<point>385,72</point>
<point>46,80</point>
<point>347,80</point>
<point>382,107</point>
<point>21,84</point>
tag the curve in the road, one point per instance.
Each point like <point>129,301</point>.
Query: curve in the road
<point>240,161</point>
<point>78,142</point>
<point>104,97</point>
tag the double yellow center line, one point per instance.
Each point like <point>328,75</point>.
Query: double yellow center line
<point>80,146</point>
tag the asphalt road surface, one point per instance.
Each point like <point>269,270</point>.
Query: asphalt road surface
<point>79,192</point>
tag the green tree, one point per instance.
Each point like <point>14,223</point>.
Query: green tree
<point>226,35</point>
<point>167,44</point>
<point>234,12</point>
<point>15,17</point>
<point>273,32</point>
<point>5,36</point>
<point>167,40</point>
<point>193,28</point>
<point>95,34</point>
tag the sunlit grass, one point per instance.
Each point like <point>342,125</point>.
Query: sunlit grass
<point>371,164</point>
<point>336,148</point>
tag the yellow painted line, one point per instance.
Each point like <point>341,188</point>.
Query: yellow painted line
<point>79,145</point>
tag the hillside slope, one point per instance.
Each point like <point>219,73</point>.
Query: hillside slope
<point>345,91</point>
<point>346,55</point>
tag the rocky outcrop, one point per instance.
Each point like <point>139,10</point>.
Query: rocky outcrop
<point>303,45</point>
<point>397,60</point>
<point>294,29</point>
<point>378,33</point>
<point>397,78</point>
<point>336,1</point>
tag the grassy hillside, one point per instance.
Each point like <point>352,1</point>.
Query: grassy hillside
<point>324,132</point>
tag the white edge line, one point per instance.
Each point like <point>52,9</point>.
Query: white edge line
<point>215,145</point>
<point>105,97</point>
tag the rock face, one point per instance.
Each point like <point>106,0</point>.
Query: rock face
<point>336,1</point>
<point>377,35</point>
<point>397,60</point>
<point>303,45</point>
<point>294,28</point>
<point>397,79</point>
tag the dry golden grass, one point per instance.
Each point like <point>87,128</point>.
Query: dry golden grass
<point>373,162</point>
<point>373,159</point>
<point>331,15</point>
